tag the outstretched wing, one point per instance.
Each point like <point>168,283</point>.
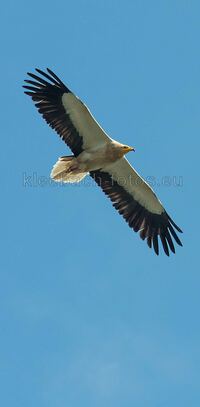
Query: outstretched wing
<point>138,204</point>
<point>64,112</point>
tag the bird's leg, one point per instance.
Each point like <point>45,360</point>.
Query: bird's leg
<point>72,164</point>
<point>73,167</point>
<point>68,169</point>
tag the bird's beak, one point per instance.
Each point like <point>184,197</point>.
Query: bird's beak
<point>129,149</point>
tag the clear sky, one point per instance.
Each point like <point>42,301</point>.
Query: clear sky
<point>90,316</point>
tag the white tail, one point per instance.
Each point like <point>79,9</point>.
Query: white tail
<point>61,171</point>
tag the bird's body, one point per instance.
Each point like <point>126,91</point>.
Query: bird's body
<point>90,159</point>
<point>96,154</point>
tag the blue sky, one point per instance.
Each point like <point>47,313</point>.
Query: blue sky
<point>89,315</point>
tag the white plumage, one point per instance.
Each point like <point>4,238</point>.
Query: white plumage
<point>96,154</point>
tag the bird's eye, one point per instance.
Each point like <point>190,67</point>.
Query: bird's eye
<point>125,146</point>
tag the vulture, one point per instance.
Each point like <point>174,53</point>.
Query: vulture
<point>103,158</point>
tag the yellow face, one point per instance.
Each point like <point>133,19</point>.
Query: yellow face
<point>126,149</point>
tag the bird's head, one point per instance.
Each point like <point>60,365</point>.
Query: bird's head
<point>126,149</point>
<point>123,149</point>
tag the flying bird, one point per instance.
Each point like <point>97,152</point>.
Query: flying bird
<point>103,158</point>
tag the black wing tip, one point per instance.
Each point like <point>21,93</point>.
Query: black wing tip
<point>29,93</point>
<point>42,72</point>
<point>48,78</point>
<point>173,223</point>
<point>180,243</point>
<point>154,247</point>
<point>166,234</point>
<point>51,72</point>
<point>161,224</point>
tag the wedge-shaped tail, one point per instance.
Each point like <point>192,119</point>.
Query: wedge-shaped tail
<point>63,171</point>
